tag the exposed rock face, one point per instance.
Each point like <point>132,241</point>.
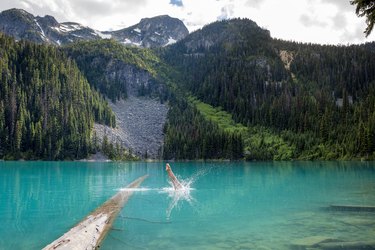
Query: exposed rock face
<point>140,118</point>
<point>287,58</point>
<point>20,25</point>
<point>133,79</point>
<point>139,126</point>
<point>150,32</point>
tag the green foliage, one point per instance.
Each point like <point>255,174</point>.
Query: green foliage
<point>189,135</point>
<point>325,92</point>
<point>254,97</point>
<point>366,8</point>
<point>107,48</point>
<point>47,108</point>
<point>218,116</point>
<point>259,143</point>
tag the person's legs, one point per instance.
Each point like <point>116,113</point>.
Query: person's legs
<point>172,177</point>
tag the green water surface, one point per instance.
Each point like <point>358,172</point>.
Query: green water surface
<point>236,205</point>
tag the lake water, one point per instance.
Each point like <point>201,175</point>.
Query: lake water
<point>238,205</point>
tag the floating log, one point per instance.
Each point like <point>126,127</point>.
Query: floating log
<point>90,232</point>
<point>353,208</point>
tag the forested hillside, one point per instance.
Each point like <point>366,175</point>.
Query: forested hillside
<point>47,108</point>
<point>189,135</point>
<point>118,71</point>
<point>319,99</point>
<point>233,91</point>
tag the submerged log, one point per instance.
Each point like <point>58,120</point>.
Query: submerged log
<point>90,232</point>
<point>309,242</point>
<point>353,208</point>
<point>353,245</point>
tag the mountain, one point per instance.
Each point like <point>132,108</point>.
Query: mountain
<point>23,25</point>
<point>226,91</point>
<point>128,76</point>
<point>298,101</point>
<point>150,32</point>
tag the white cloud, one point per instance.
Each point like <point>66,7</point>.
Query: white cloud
<point>318,21</point>
<point>227,12</point>
<point>310,21</point>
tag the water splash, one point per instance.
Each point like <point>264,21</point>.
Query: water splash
<point>178,196</point>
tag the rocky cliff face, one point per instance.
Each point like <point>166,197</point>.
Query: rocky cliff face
<point>137,82</point>
<point>150,32</point>
<point>140,118</point>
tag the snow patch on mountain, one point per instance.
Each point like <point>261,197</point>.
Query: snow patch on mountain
<point>149,32</point>
<point>44,37</point>
<point>129,42</point>
<point>170,41</point>
<point>102,35</point>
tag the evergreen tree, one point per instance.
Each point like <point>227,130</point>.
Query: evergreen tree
<point>47,107</point>
<point>366,8</point>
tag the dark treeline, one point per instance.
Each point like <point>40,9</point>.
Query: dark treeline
<point>47,108</point>
<point>188,135</point>
<point>324,91</point>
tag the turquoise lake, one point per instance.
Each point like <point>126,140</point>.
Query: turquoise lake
<point>230,205</point>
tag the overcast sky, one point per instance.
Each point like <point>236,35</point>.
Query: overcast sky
<point>316,21</point>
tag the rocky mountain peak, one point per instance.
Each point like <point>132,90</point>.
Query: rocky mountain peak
<point>153,32</point>
<point>17,13</point>
<point>48,20</point>
<point>226,33</point>
<point>149,32</point>
<point>19,24</point>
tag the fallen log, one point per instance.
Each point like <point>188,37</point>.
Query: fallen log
<point>90,232</point>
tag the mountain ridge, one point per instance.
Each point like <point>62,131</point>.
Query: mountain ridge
<point>156,31</point>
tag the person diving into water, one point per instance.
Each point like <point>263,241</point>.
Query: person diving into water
<point>176,184</point>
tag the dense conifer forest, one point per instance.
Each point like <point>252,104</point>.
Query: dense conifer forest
<point>47,108</point>
<point>319,99</point>
<point>189,135</point>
